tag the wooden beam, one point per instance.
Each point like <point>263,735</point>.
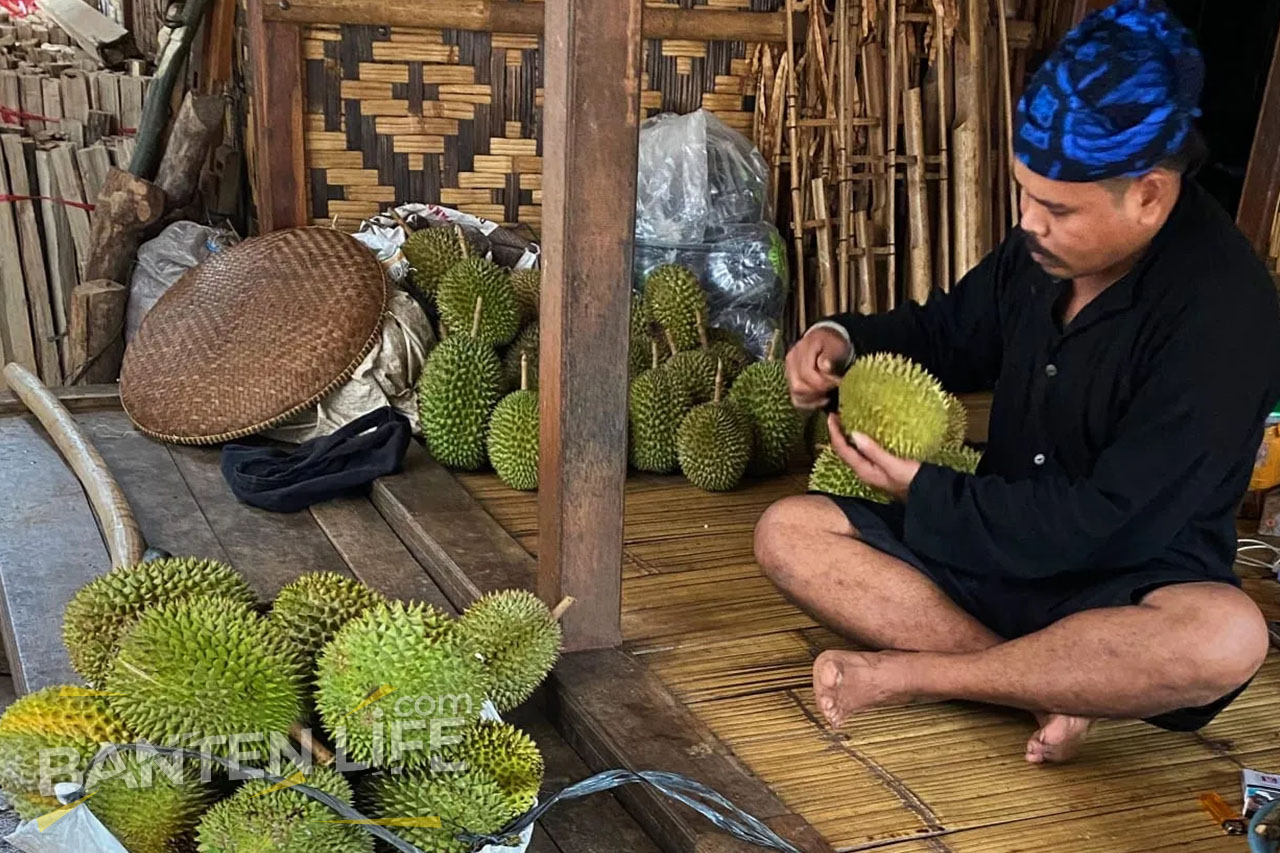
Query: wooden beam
<point>590,140</point>
<point>527,18</point>
<point>280,187</point>
<point>1260,197</point>
<point>82,398</point>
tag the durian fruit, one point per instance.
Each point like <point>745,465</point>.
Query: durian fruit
<point>727,347</point>
<point>641,339</point>
<point>256,819</point>
<point>714,443</point>
<point>308,612</point>
<point>508,755</point>
<point>59,717</point>
<point>764,394</point>
<point>469,801</point>
<point>957,421</point>
<point>654,410</point>
<point>693,372</point>
<point>963,458</point>
<point>527,285</point>
<point>525,346</point>
<point>431,253</point>
<point>149,803</point>
<point>895,402</point>
<point>103,609</point>
<point>475,281</point>
<point>513,436</point>
<point>519,639</point>
<point>674,299</point>
<point>459,386</point>
<point>832,476</point>
<point>205,667</point>
<point>420,661</point>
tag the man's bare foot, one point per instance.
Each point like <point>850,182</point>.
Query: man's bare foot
<point>1059,738</point>
<point>847,682</point>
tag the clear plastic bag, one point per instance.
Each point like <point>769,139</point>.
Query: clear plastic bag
<point>162,261</point>
<point>697,177</point>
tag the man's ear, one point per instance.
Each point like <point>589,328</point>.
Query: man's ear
<point>1153,194</point>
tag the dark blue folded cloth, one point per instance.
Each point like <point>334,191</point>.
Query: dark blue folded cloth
<point>342,463</point>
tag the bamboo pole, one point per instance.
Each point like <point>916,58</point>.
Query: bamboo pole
<point>793,138</point>
<point>845,139</point>
<point>941,39</point>
<point>866,282</point>
<point>1006,92</point>
<point>891,153</point>
<point>826,267</point>
<point>920,246</point>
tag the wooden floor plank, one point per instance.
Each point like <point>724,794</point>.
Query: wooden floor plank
<point>49,548</point>
<point>271,549</point>
<point>166,510</point>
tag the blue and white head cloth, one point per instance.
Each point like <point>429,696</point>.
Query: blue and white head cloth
<point>1116,98</point>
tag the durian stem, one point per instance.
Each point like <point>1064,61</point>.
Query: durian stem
<point>475,320</point>
<point>311,744</point>
<point>654,346</point>
<point>462,241</point>
<point>564,605</point>
<point>772,354</point>
<point>524,371</point>
<point>399,220</point>
<point>671,342</point>
<point>719,379</point>
<point>702,330</point>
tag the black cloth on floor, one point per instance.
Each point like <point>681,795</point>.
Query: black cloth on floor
<point>342,463</point>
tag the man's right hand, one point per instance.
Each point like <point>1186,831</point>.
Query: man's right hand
<point>813,367</point>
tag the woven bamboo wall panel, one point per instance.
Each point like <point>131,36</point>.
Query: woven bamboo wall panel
<point>455,117</point>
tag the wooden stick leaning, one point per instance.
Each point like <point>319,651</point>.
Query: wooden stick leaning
<point>793,143</point>
<point>891,155</point>
<point>1006,94</point>
<point>944,132</point>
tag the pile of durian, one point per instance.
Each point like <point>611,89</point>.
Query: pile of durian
<point>177,653</point>
<point>697,403</point>
<point>904,409</point>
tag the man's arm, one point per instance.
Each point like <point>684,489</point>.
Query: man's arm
<point>1197,413</point>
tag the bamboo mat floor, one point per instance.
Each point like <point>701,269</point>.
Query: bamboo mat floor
<point>920,779</point>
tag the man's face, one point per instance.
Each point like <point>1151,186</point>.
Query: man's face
<point>1080,229</point>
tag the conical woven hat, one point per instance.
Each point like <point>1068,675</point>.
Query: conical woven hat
<point>253,335</point>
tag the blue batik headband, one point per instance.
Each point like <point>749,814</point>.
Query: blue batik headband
<point>1116,98</point>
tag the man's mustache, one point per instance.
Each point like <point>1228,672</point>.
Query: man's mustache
<point>1037,247</point>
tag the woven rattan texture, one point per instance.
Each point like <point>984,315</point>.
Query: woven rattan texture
<point>454,117</point>
<point>253,335</point>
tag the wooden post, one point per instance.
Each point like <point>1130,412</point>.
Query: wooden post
<point>591,135</point>
<point>1261,194</point>
<point>280,187</point>
<point>95,337</point>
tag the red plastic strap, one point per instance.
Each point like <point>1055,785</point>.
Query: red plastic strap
<point>18,8</point>
<point>10,114</point>
<point>65,201</point>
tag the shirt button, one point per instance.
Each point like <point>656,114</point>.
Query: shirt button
<point>1050,370</point>
<point>1038,459</point>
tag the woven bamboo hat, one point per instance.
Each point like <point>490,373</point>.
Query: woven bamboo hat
<point>252,336</point>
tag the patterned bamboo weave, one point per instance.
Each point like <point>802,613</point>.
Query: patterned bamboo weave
<point>253,335</point>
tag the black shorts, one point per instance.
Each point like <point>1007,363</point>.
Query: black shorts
<point>1013,608</point>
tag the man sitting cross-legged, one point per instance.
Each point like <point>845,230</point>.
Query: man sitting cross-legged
<point>1132,340</point>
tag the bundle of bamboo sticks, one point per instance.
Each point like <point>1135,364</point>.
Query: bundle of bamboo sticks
<point>891,124</point>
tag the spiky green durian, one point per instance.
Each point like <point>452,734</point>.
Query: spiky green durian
<point>472,281</point>
<point>388,674</point>
<point>895,402</point>
<point>508,755</point>
<point>460,384</point>
<point>831,476</point>
<point>519,640</point>
<point>957,422</point>
<point>527,285</point>
<point>674,300</point>
<point>431,253</point>
<point>256,819</point>
<point>641,338</point>
<point>64,717</point>
<point>205,667</point>
<point>103,609</point>
<point>764,394</point>
<point>727,347</point>
<point>309,612</point>
<point>714,443</point>
<point>513,437</point>
<point>525,346</point>
<point>654,409</point>
<point>962,458</point>
<point>694,374</point>
<point>150,803</point>
<point>468,801</point>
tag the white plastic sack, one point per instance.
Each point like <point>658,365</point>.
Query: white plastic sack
<point>162,261</point>
<point>387,376</point>
<point>78,831</point>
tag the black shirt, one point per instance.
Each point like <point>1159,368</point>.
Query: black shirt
<point>1127,437</point>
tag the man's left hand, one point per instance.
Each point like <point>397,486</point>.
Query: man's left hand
<point>875,465</point>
